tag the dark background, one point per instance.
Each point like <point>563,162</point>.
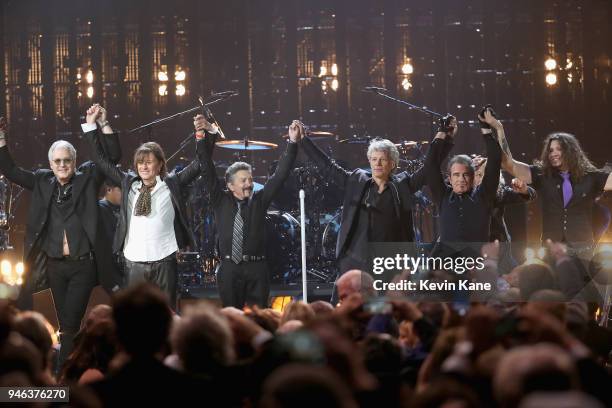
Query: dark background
<point>465,53</point>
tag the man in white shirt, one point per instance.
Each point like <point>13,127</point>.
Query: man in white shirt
<point>152,223</point>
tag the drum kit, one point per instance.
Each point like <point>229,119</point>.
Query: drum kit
<point>323,209</point>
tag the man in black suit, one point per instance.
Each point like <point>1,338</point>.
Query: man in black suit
<point>62,228</point>
<point>377,205</point>
<point>240,214</point>
<point>152,222</point>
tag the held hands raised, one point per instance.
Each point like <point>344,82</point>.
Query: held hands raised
<point>488,118</point>
<point>93,114</point>
<point>296,131</point>
<point>519,186</point>
<point>201,124</point>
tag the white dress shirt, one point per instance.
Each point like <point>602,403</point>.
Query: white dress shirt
<point>150,238</point>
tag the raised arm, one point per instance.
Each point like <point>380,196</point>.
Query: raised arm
<point>328,166</point>
<point>285,164</point>
<point>490,181</point>
<point>489,123</point>
<point>204,150</point>
<point>110,139</point>
<point>17,175</point>
<point>417,180</point>
<point>99,156</point>
<point>433,161</point>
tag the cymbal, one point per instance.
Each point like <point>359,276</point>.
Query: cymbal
<point>246,145</point>
<point>407,144</point>
<point>315,135</point>
<point>356,140</point>
<point>257,186</point>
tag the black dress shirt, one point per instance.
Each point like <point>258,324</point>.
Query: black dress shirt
<point>572,224</point>
<point>465,217</point>
<point>62,218</point>
<point>253,212</point>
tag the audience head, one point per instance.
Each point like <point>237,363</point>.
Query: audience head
<point>203,340</point>
<point>142,317</point>
<point>355,281</point>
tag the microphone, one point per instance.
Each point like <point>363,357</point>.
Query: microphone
<point>375,89</point>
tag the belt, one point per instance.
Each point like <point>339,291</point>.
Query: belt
<point>247,258</point>
<point>87,256</point>
<point>170,257</point>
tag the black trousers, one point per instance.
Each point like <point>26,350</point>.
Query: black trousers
<point>71,282</point>
<point>162,273</point>
<point>246,283</point>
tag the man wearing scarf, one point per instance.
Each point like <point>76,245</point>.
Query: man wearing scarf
<point>153,222</point>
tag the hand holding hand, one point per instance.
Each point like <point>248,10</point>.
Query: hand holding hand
<point>296,131</point>
<point>93,113</point>
<point>520,186</point>
<point>201,124</point>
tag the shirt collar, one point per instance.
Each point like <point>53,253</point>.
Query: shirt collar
<point>138,183</point>
<point>454,196</point>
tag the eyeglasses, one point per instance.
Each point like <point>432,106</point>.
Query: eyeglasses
<point>59,162</point>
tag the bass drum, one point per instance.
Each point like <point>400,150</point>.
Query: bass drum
<point>282,246</point>
<point>330,236</point>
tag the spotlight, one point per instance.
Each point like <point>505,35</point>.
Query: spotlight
<point>322,71</point>
<point>89,77</point>
<point>407,69</point>
<point>569,64</point>
<point>334,69</point>
<point>551,78</point>
<point>162,76</point>
<point>180,75</point>
<point>406,84</point>
<point>529,255</point>
<point>334,84</point>
<point>180,90</point>
<point>19,269</point>
<point>162,90</point>
<point>6,268</point>
<point>90,92</point>
<point>541,253</point>
<point>550,64</point>
<point>324,85</point>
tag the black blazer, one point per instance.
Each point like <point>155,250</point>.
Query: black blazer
<point>403,186</point>
<point>176,183</point>
<point>224,203</point>
<point>42,182</point>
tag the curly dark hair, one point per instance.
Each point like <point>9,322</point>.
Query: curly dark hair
<point>578,163</point>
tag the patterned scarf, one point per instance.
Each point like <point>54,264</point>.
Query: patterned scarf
<point>143,204</point>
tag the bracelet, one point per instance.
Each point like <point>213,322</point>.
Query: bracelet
<point>103,124</point>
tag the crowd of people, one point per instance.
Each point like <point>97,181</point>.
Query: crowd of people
<point>500,353</point>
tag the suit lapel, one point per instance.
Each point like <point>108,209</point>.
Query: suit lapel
<point>78,183</point>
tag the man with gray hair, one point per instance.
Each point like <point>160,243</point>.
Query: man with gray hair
<point>62,227</point>
<point>240,213</point>
<point>465,209</point>
<point>377,205</point>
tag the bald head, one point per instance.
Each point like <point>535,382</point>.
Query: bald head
<point>355,281</point>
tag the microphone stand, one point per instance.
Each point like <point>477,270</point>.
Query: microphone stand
<point>211,100</point>
<point>204,103</point>
<point>380,91</point>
